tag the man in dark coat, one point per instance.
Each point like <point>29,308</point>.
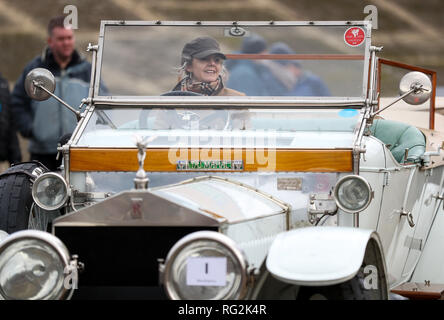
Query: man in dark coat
<point>44,122</point>
<point>9,146</point>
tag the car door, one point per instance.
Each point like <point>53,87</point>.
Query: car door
<point>405,215</point>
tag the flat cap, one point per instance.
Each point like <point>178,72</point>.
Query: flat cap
<point>200,48</point>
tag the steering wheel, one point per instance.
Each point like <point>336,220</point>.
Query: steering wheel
<point>181,93</point>
<point>183,118</point>
<point>143,117</point>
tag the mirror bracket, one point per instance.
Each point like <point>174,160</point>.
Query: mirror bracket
<point>39,84</point>
<point>414,87</point>
<point>412,90</point>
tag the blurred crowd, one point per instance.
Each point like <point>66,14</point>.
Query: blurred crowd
<point>268,77</point>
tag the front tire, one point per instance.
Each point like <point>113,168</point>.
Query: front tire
<point>15,196</point>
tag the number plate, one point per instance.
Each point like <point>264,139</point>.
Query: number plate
<point>207,271</point>
<point>216,165</point>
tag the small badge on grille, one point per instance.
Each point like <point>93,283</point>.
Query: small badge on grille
<point>210,165</point>
<point>136,208</point>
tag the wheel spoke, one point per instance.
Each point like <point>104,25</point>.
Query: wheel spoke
<point>39,219</point>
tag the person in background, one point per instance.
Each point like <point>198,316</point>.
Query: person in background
<point>44,122</point>
<point>253,76</point>
<point>9,145</point>
<point>300,82</point>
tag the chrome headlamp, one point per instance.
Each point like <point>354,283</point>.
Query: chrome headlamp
<point>205,265</point>
<point>353,194</point>
<point>50,191</point>
<point>32,266</point>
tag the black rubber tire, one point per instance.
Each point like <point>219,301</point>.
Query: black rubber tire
<point>15,196</point>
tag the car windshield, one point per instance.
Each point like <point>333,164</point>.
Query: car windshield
<point>222,127</point>
<point>268,59</point>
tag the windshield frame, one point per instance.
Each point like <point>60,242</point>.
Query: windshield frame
<point>80,130</point>
<point>248,100</point>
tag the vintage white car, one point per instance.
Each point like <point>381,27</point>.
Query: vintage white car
<point>298,189</point>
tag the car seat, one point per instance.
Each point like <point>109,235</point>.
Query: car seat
<point>399,136</point>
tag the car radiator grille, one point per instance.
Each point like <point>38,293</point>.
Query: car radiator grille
<point>121,256</point>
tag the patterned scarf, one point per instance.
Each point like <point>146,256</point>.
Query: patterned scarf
<point>204,88</point>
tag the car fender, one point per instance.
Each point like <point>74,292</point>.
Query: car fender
<point>319,256</point>
<point>3,235</point>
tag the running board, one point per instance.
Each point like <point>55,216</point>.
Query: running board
<point>420,291</point>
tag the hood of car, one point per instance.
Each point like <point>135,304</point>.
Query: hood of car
<point>205,201</point>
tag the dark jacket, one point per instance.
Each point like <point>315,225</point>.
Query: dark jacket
<point>44,122</point>
<point>309,85</point>
<point>254,79</point>
<point>9,145</point>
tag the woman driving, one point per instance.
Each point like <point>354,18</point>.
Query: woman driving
<point>202,68</point>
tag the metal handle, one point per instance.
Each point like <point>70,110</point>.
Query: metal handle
<point>409,216</point>
<point>439,198</point>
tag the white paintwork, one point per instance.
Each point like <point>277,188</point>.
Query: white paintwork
<point>409,188</point>
<point>399,247</point>
<point>370,164</point>
<point>368,219</point>
<point>403,191</point>
<point>425,213</point>
<point>431,259</point>
<point>255,237</point>
<point>3,235</point>
<point>375,154</point>
<point>316,256</point>
<point>430,266</point>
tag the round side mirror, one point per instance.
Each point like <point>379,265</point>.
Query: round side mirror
<point>42,77</point>
<point>412,79</point>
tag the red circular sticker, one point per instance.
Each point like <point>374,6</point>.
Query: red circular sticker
<point>354,36</point>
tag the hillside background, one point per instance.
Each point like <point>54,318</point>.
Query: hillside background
<point>410,30</point>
